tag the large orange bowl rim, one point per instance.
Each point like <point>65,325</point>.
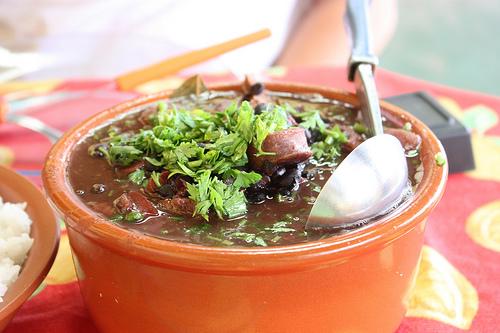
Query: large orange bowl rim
<point>207,258</point>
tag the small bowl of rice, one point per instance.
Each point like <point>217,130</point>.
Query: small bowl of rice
<point>29,239</point>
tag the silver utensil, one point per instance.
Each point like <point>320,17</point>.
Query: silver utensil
<point>35,125</point>
<point>373,177</point>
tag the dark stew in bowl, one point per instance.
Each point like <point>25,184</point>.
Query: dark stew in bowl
<point>223,168</point>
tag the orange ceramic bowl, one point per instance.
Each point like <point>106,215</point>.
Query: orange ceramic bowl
<point>356,282</point>
<point>45,234</point>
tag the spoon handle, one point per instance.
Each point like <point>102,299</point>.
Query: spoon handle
<point>358,23</point>
<point>362,63</point>
<point>368,97</point>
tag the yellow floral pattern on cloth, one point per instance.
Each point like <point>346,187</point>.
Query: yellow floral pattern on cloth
<point>6,156</point>
<point>62,270</point>
<point>479,119</point>
<point>441,292</point>
<point>483,226</point>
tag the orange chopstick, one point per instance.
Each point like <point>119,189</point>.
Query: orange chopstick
<point>132,79</point>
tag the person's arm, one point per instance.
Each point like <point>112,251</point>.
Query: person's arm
<point>320,37</point>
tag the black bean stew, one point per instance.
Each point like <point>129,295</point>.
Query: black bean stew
<point>222,168</point>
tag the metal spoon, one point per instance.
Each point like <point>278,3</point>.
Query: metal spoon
<point>35,125</point>
<point>27,122</point>
<point>374,176</point>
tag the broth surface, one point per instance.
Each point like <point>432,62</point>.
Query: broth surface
<point>279,219</point>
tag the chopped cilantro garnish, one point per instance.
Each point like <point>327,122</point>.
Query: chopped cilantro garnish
<point>440,159</point>
<point>155,176</point>
<point>330,147</point>
<point>220,240</point>
<point>280,227</point>
<point>248,238</point>
<point>162,106</point>
<point>133,216</point>
<point>312,120</point>
<point>309,199</point>
<point>210,192</point>
<point>316,188</point>
<point>199,228</point>
<point>209,150</point>
<point>412,153</point>
<point>124,155</point>
<point>359,128</point>
<point>275,238</point>
<point>280,197</point>
<point>245,236</point>
<point>207,147</point>
<point>259,241</point>
<point>130,122</point>
<point>243,179</point>
<point>137,177</point>
<point>267,122</point>
<point>327,149</point>
<point>116,218</point>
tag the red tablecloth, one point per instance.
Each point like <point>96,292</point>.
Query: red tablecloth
<point>458,283</point>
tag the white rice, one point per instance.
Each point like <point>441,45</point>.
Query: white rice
<point>15,242</point>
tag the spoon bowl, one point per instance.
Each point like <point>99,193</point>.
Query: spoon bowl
<point>369,182</point>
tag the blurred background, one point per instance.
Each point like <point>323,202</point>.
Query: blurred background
<point>453,42</point>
